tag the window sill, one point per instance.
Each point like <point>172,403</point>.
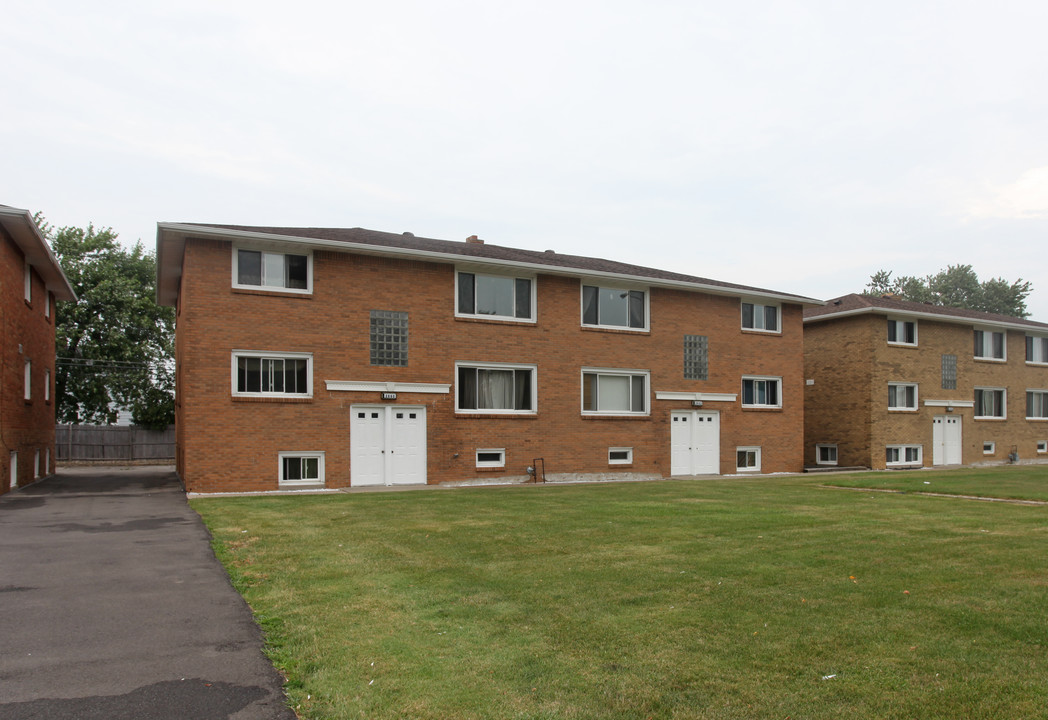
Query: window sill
<point>615,330</point>
<point>903,410</point>
<point>273,293</point>
<point>1035,363</point>
<point>911,346</point>
<point>758,331</point>
<point>281,400</point>
<point>1037,419</point>
<point>522,322</point>
<point>990,418</point>
<point>999,361</point>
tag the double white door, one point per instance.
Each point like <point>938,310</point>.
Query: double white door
<point>946,440</point>
<point>694,442</point>
<point>387,445</point>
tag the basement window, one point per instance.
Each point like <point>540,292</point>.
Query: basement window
<point>825,454</point>
<point>989,448</point>
<point>301,468</point>
<point>620,456</point>
<point>491,458</point>
<point>748,459</point>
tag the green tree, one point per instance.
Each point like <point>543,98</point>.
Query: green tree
<point>115,347</point>
<point>956,286</point>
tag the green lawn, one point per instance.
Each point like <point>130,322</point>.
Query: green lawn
<point>1028,482</point>
<point>766,597</point>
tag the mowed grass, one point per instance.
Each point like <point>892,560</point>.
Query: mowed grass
<point>767,597</point>
<point>1027,482</point>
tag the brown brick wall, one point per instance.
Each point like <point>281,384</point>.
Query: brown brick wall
<point>228,443</point>
<point>833,358</point>
<point>26,426</point>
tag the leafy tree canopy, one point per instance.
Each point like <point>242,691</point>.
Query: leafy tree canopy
<point>956,286</point>
<point>115,347</point>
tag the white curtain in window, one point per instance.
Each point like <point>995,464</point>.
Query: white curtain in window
<point>613,392</point>
<point>495,389</point>
<point>494,295</point>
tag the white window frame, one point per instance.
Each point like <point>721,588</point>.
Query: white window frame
<point>532,300</point>
<point>1038,349</point>
<point>1004,403</point>
<point>47,384</point>
<point>28,282</point>
<point>759,326</point>
<point>900,331</point>
<point>499,366</point>
<point>762,378</point>
<point>318,455</point>
<point>14,470</point>
<point>1044,403</point>
<point>36,464</point>
<point>1042,446</point>
<point>616,372</point>
<point>987,344</point>
<point>628,460</point>
<point>615,288</point>
<point>489,463</point>
<point>902,386</point>
<point>263,355</point>
<point>989,447</point>
<point>47,461</point>
<point>902,452</point>
<point>28,379</point>
<point>308,290</point>
<point>756,450</point>
<point>47,304</point>
<point>819,447</point>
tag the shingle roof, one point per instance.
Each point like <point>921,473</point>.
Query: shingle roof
<point>20,225</point>
<point>406,243</point>
<point>855,304</point>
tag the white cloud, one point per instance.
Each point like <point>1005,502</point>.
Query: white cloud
<point>1025,198</point>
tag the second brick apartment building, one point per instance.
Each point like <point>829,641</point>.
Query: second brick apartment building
<point>898,384</point>
<point>314,357</point>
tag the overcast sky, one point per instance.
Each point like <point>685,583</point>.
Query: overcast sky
<point>797,146</point>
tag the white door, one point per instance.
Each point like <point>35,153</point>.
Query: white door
<point>946,440</point>
<point>387,445</point>
<point>694,443</point>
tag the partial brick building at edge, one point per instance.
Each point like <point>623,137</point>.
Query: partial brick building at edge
<point>31,282</point>
<point>348,357</point>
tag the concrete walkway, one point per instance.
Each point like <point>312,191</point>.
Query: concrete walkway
<point>112,605</point>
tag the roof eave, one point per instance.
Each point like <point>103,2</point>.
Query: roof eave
<point>20,225</point>
<point>179,232</point>
<point>954,319</point>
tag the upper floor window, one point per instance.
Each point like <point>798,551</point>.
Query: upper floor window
<point>902,332</point>
<point>990,403</point>
<point>1037,404</point>
<point>272,270</point>
<point>47,305</point>
<point>989,345</point>
<point>389,338</point>
<point>272,374</point>
<point>495,296</point>
<point>496,388</point>
<point>28,380</point>
<point>760,317</point>
<point>615,392</point>
<point>949,372</point>
<point>696,357</point>
<point>28,282</point>
<point>1036,349</point>
<point>614,307</point>
<point>902,396</point>
<point>762,392</point>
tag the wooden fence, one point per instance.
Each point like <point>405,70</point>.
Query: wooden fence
<point>87,443</point>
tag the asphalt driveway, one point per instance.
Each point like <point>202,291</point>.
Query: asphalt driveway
<point>112,605</point>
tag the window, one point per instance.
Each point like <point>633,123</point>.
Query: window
<point>272,270</point>
<point>301,468</point>
<point>825,454</point>
<point>47,461</point>
<point>989,448</point>
<point>495,296</point>
<point>36,464</point>
<point>491,458</point>
<point>1037,404</point>
<point>28,282</point>
<point>761,392</point>
<point>902,332</point>
<point>620,456</point>
<point>614,307</point>
<point>903,455</point>
<point>949,372</point>
<point>47,305</point>
<point>28,380</point>
<point>617,392</point>
<point>47,385</point>
<point>748,459</point>
<point>272,375</point>
<point>496,388</point>
<point>989,345</point>
<point>902,396</point>
<point>760,317</point>
<point>990,403</point>
<point>1037,349</point>
<point>14,470</point>
<point>696,357</point>
<point>1042,446</point>
<point>389,338</point>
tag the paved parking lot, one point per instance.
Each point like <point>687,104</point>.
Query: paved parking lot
<point>112,605</point>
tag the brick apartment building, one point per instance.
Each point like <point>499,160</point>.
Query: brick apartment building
<point>30,284</point>
<point>897,384</point>
<point>333,357</point>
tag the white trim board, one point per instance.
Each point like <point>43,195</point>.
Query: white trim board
<point>378,386</point>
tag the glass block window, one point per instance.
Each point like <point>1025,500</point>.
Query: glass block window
<point>389,338</point>
<point>949,372</point>
<point>696,357</point>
